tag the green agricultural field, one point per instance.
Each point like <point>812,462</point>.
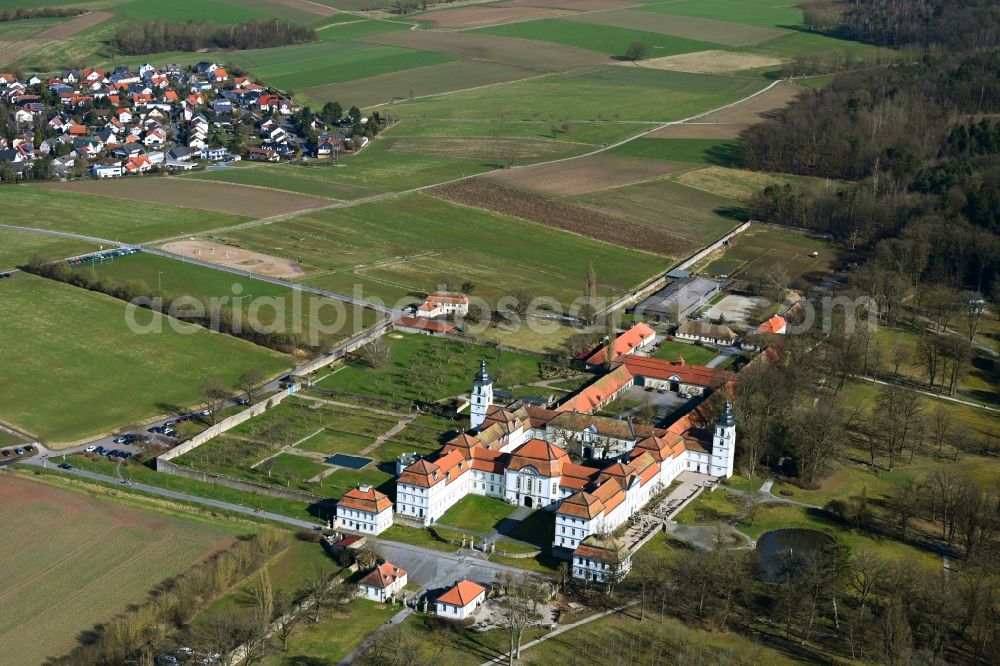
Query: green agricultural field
<point>69,561</point>
<point>593,93</point>
<point>16,247</point>
<point>400,247</point>
<point>606,39</point>
<point>350,27</point>
<point>27,28</point>
<point>764,13</point>
<point>375,170</point>
<point>694,151</point>
<point>318,319</point>
<point>426,368</point>
<point>325,62</point>
<point>105,217</point>
<point>220,11</point>
<point>74,369</point>
<point>594,134</point>
<point>418,82</point>
<point>691,217</point>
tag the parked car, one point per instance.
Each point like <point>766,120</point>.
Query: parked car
<point>19,451</point>
<point>4,276</point>
<point>65,466</point>
<point>242,401</point>
<point>90,449</point>
<point>6,453</point>
<point>119,440</point>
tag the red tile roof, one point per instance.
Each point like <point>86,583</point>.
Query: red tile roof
<point>366,499</point>
<point>596,394</point>
<point>622,345</point>
<point>546,458</point>
<point>435,326</point>
<point>776,324</point>
<point>462,594</point>
<point>383,576</point>
<point>695,375</point>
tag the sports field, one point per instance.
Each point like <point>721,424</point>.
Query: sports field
<point>105,217</point>
<point>69,561</point>
<point>410,245</point>
<point>73,368</point>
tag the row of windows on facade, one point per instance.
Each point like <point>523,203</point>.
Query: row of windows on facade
<point>538,486</point>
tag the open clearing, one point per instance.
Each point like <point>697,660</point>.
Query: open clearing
<point>73,368</point>
<point>104,217</point>
<point>16,247</point>
<point>709,62</point>
<point>305,6</point>
<point>728,123</point>
<point>585,174</point>
<point>418,82</point>
<point>410,245</point>
<point>74,25</point>
<point>765,13</point>
<point>688,27</point>
<point>65,555</point>
<point>233,257</point>
<point>221,198</point>
<point>738,184</point>
<point>530,55</point>
<point>475,17</point>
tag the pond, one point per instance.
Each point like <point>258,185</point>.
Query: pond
<point>344,460</point>
<point>788,549</point>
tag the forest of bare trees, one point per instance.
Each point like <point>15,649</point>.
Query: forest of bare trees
<point>137,38</point>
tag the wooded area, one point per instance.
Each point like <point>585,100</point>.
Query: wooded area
<point>159,36</point>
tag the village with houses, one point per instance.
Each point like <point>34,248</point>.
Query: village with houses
<point>128,121</point>
<point>507,332</point>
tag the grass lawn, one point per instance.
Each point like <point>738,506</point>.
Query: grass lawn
<point>460,647</point>
<point>343,480</point>
<point>763,13</point>
<point>105,217</point>
<point>540,336</point>
<point>262,303</point>
<point>16,247</point>
<point>584,94</point>
<point>334,636</point>
<point>58,597</point>
<point>399,248</point>
<point>598,639</point>
<point>477,514</point>
<point>416,537</point>
<point>219,11</point>
<point>592,134</point>
<point>606,39</point>
<point>411,355</point>
<point>296,468</point>
<point>75,369</point>
<point>669,350</point>
<point>334,441</point>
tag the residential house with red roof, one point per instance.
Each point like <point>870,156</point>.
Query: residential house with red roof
<point>629,342</point>
<point>460,601</point>
<point>442,304</point>
<point>383,583</point>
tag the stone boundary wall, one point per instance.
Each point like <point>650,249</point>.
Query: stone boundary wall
<point>222,426</point>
